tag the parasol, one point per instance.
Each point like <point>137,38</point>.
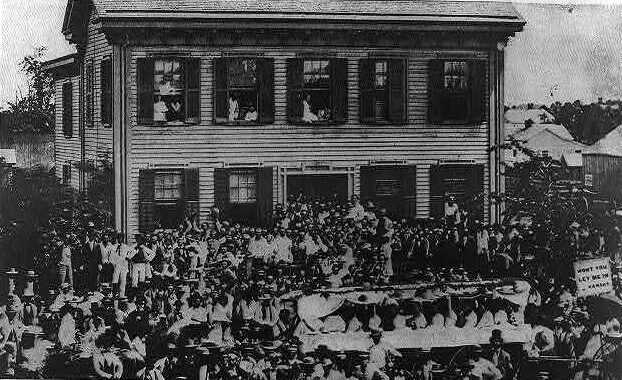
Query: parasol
<point>606,306</point>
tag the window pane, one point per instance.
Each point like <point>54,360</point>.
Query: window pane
<point>242,187</point>
<point>455,75</point>
<point>168,186</point>
<point>381,74</point>
<point>242,72</point>
<point>169,87</point>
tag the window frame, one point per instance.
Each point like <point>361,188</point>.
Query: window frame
<point>180,186</point>
<point>329,89</point>
<point>473,86</point>
<point>241,173</point>
<point>389,88</point>
<point>184,60</point>
<point>227,90</point>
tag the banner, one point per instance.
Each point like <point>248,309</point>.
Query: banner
<point>593,277</point>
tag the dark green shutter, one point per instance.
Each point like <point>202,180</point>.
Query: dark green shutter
<point>397,90</point>
<point>221,102</point>
<point>264,195</point>
<point>295,78</point>
<point>221,189</point>
<point>68,109</point>
<point>146,206</point>
<point>409,190</point>
<point>437,191</point>
<point>367,97</point>
<point>368,183</point>
<point>435,90</point>
<point>191,191</point>
<point>106,91</point>
<point>192,70</point>
<point>265,90</point>
<point>339,84</point>
<point>145,90</point>
<point>477,83</point>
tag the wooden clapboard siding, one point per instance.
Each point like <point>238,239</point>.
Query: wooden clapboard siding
<point>97,138</point>
<point>208,146</point>
<point>67,150</point>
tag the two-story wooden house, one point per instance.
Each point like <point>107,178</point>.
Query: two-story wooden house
<point>240,104</point>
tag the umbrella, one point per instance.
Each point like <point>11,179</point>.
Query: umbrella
<point>606,306</point>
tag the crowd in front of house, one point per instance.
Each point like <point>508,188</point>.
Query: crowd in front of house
<point>218,299</point>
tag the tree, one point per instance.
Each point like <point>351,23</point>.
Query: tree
<point>33,112</point>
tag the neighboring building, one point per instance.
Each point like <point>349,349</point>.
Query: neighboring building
<point>573,165</point>
<point>610,144</point>
<point>242,104</point>
<point>544,139</point>
<point>8,160</point>
<point>516,117</point>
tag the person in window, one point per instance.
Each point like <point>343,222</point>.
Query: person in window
<point>174,110</point>
<point>251,115</point>
<point>234,108</point>
<point>159,110</point>
<point>307,115</point>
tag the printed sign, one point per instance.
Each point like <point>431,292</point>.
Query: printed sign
<point>593,277</point>
<point>589,180</point>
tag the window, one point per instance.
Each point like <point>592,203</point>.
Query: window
<point>168,90</point>
<point>457,91</point>
<point>168,186</point>
<point>67,174</point>
<point>317,90</point>
<point>382,85</point>
<point>68,109</point>
<point>242,187</point>
<point>88,94</point>
<point>244,91</point>
<point>106,92</point>
<point>387,187</point>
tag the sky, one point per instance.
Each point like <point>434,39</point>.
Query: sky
<point>569,49</point>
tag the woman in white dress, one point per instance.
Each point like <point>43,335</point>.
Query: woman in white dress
<point>307,115</point>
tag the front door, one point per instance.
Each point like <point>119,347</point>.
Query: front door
<point>321,187</point>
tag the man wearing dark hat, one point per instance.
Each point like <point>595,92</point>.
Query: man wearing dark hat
<point>500,357</point>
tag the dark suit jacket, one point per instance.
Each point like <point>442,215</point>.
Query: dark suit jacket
<point>92,257</point>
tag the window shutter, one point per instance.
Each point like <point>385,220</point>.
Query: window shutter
<point>88,93</point>
<point>397,90</point>
<point>264,195</point>
<point>145,90</point>
<point>191,191</point>
<point>476,188</point>
<point>295,78</point>
<point>339,79</point>
<point>221,189</point>
<point>68,109</point>
<point>106,91</point>
<point>146,206</point>
<point>192,71</point>
<point>220,90</point>
<point>367,91</point>
<point>477,82</point>
<point>409,190</point>
<point>368,183</point>
<point>437,191</point>
<point>435,86</point>
<point>265,90</point>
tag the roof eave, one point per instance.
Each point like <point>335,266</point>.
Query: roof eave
<point>121,20</point>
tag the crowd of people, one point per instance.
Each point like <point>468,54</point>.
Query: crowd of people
<point>219,299</point>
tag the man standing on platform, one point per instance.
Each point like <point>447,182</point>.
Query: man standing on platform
<point>119,259</point>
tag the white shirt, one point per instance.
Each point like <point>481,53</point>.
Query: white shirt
<point>283,249</point>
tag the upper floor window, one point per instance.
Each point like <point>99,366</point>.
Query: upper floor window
<point>68,109</point>
<point>106,92</point>
<point>168,186</point>
<point>383,90</point>
<point>457,91</point>
<point>317,90</point>
<point>168,90</point>
<point>244,91</point>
